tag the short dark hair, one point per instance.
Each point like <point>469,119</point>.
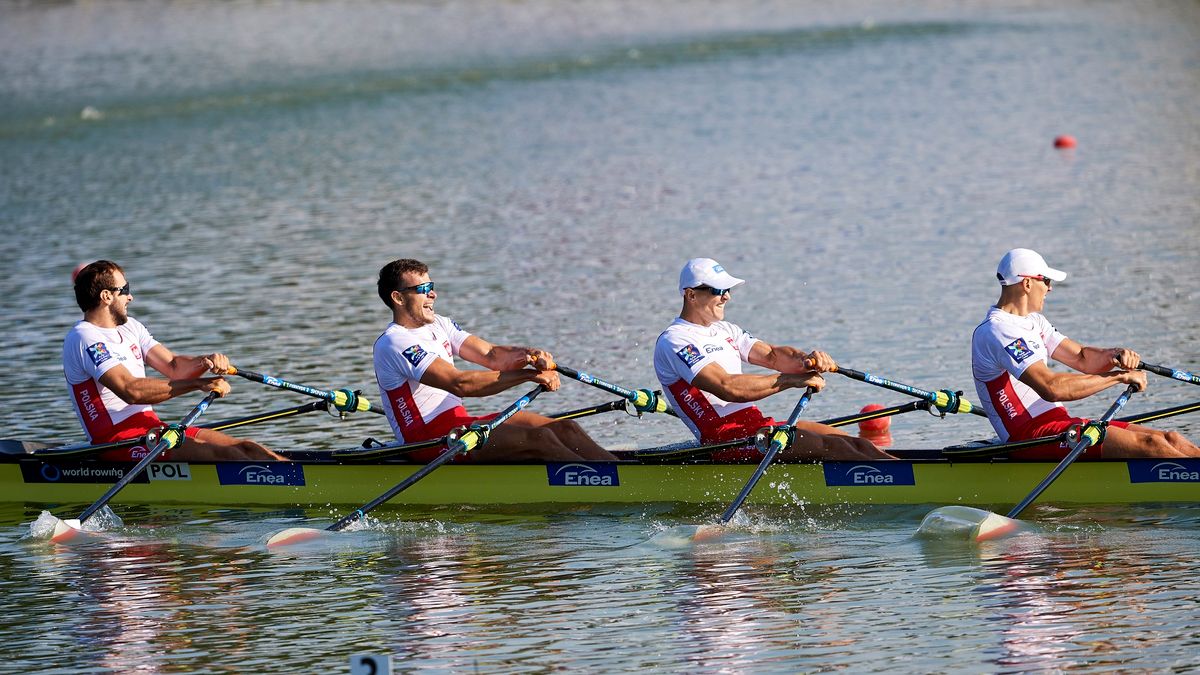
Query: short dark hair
<point>92,280</point>
<point>389,276</point>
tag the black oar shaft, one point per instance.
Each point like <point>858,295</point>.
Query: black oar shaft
<point>170,438</point>
<point>1173,373</point>
<point>938,398</point>
<point>340,399</point>
<point>778,442</point>
<point>468,441</point>
<point>1089,436</point>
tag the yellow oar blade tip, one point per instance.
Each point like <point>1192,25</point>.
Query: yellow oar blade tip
<point>293,536</point>
<point>965,523</point>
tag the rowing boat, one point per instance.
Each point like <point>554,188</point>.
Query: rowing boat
<point>922,477</point>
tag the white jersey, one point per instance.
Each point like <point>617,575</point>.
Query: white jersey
<point>90,351</point>
<point>402,355</point>
<point>682,351</point>
<point>1002,348</point>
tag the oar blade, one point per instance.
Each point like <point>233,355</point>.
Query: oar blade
<point>685,536</point>
<point>66,530</point>
<point>294,536</point>
<point>964,523</point>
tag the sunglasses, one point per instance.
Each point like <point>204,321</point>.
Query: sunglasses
<point>124,290</point>
<point>710,289</point>
<point>419,289</point>
<point>1040,277</point>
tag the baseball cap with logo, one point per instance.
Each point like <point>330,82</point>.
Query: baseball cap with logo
<point>706,272</point>
<point>1022,262</point>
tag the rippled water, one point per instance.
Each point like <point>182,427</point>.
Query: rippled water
<point>862,164</point>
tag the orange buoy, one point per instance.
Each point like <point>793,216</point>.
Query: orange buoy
<point>1064,141</point>
<point>877,430</point>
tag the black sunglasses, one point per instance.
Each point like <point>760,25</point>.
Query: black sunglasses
<point>123,290</point>
<point>714,291</point>
<point>1042,278</point>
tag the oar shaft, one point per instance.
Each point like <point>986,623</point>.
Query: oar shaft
<point>170,438</point>
<point>1173,373</point>
<point>474,437</point>
<point>340,399</point>
<point>642,400</point>
<point>778,442</point>
<point>1089,436</point>
<point>937,398</point>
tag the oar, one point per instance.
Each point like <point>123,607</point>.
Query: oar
<point>945,400</point>
<point>643,400</point>
<point>372,450</point>
<point>982,525</point>
<point>342,399</point>
<point>472,438</point>
<point>67,451</point>
<point>779,440</point>
<point>173,436</point>
<point>685,535</point>
<point>1173,373</point>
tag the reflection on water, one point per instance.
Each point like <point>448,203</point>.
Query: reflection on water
<point>461,590</point>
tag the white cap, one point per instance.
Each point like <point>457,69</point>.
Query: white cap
<point>706,272</point>
<point>1022,262</point>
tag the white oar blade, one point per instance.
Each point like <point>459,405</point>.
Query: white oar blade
<point>967,523</point>
<point>295,535</point>
<point>684,536</point>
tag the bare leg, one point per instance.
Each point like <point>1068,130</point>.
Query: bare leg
<point>214,446</point>
<point>1143,442</point>
<point>811,446</point>
<point>515,442</point>
<point>569,434</point>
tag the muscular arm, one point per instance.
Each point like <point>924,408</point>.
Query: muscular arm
<point>744,388</point>
<point>152,390</point>
<point>476,383</point>
<point>790,360</point>
<point>497,357</point>
<point>1053,386</point>
<point>179,367</point>
<point>1094,360</point>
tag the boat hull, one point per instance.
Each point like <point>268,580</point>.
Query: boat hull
<point>322,483</point>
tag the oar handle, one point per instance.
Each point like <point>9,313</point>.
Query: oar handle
<point>945,401</point>
<point>1173,373</point>
<point>475,436</point>
<point>779,440</point>
<point>642,399</point>
<point>1091,434</point>
<point>342,399</point>
<point>172,437</point>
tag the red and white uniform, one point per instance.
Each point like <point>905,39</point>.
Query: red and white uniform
<point>89,351</point>
<point>682,351</point>
<point>1002,348</point>
<point>416,411</point>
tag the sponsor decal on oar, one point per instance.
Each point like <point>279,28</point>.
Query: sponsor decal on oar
<point>475,436</point>
<point>344,400</point>
<point>945,400</point>
<point>1173,373</point>
<point>642,400</point>
<point>980,525</point>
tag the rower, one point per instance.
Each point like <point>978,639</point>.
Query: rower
<point>104,359</point>
<point>423,389</point>
<point>1022,396</point>
<point>698,360</point>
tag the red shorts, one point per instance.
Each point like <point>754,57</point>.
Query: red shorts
<point>439,427</point>
<point>1053,423</point>
<point>135,426</point>
<point>741,424</point>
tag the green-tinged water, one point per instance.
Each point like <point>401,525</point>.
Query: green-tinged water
<point>864,165</point>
